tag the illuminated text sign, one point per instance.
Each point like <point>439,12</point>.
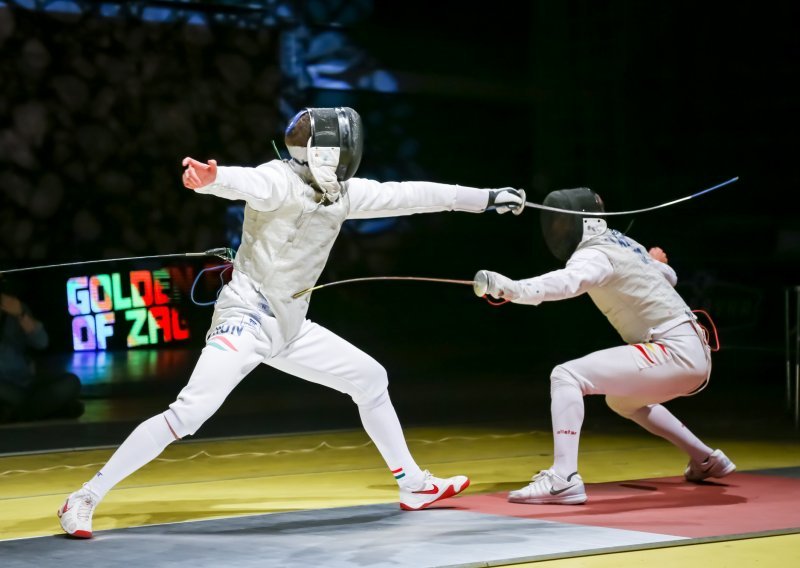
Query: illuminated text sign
<point>137,303</point>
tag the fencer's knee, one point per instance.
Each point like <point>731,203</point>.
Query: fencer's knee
<point>374,402</point>
<point>373,389</point>
<point>184,420</point>
<point>561,378</point>
<point>621,406</point>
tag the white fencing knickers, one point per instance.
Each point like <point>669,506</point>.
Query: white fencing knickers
<point>674,363</point>
<point>244,333</point>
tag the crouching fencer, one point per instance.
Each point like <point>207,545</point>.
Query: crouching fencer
<point>294,211</point>
<point>667,353</point>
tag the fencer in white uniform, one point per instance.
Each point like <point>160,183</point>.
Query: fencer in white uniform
<point>666,355</point>
<point>293,213</point>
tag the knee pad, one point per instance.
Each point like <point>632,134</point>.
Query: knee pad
<point>370,390</point>
<point>163,428</point>
<point>183,421</point>
<point>561,377</point>
<point>374,402</point>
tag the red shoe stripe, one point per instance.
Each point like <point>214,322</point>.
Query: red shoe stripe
<point>433,491</point>
<point>449,492</point>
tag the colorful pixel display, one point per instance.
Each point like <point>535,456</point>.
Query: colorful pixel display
<point>140,303</point>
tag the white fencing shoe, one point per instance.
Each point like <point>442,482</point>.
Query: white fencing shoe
<point>716,465</point>
<point>548,488</point>
<point>432,489</point>
<point>75,514</point>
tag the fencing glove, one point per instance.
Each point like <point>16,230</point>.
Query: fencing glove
<point>507,199</point>
<point>498,286</point>
<point>495,285</point>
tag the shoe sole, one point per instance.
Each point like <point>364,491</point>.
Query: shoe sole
<point>76,534</point>
<point>725,472</point>
<point>571,500</point>
<point>449,492</point>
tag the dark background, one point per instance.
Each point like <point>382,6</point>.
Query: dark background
<point>643,102</point>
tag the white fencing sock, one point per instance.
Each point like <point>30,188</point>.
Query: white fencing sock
<point>143,445</point>
<point>659,421</point>
<point>566,410</point>
<point>383,427</point>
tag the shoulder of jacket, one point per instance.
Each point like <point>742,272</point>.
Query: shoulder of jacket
<point>594,242</point>
<point>280,165</point>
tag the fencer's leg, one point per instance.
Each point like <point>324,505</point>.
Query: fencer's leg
<point>381,423</point>
<point>418,489</point>
<point>143,444</point>
<point>635,384</point>
<point>320,356</point>
<point>567,413</point>
<point>216,374</point>
<point>146,442</point>
<point>657,420</point>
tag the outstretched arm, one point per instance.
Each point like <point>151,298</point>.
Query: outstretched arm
<point>370,199</point>
<point>264,188</point>
<point>585,270</point>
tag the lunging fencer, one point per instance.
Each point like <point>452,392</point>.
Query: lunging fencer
<point>667,353</point>
<point>294,211</point>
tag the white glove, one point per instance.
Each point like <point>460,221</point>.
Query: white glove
<point>496,285</point>
<point>507,199</point>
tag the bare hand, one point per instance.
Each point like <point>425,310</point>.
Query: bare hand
<point>11,305</point>
<point>658,254</point>
<point>197,174</point>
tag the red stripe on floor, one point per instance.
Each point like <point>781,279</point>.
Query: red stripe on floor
<point>741,503</point>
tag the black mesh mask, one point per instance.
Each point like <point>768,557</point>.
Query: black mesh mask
<point>563,232</point>
<point>339,127</point>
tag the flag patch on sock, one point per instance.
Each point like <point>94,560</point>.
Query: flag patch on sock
<point>398,473</point>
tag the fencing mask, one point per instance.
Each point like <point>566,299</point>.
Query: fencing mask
<point>330,141</point>
<point>563,232</point>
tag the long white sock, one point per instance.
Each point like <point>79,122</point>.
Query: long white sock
<point>383,427</point>
<point>143,445</point>
<point>566,410</point>
<point>659,421</point>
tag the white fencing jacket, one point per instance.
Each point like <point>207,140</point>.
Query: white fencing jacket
<point>634,291</point>
<point>288,232</point>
